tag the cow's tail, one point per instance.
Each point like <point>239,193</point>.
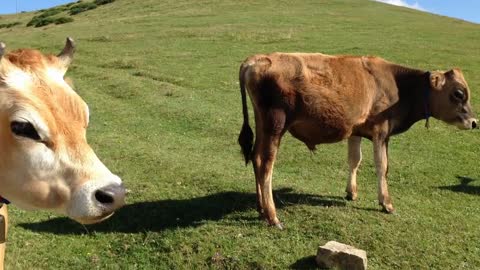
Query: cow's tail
<point>245,139</point>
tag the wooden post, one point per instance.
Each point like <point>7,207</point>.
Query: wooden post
<point>3,233</point>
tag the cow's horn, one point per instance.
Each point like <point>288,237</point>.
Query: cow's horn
<point>2,49</point>
<point>66,56</point>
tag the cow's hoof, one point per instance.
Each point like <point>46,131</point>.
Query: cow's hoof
<point>279,226</point>
<point>260,211</point>
<point>388,208</point>
<point>275,223</point>
<point>351,196</point>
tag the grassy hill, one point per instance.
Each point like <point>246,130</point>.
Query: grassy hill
<point>161,81</point>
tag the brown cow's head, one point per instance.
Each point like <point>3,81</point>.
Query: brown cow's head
<point>450,99</point>
<point>45,160</point>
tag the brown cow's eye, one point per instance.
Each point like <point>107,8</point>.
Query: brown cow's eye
<point>24,129</point>
<point>458,94</point>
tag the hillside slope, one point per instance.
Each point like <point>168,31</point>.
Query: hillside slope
<point>160,78</point>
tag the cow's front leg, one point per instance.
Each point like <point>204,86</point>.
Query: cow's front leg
<point>3,233</point>
<point>380,150</point>
<point>354,159</point>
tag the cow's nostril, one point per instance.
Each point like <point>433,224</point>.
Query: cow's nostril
<point>474,124</point>
<point>103,197</point>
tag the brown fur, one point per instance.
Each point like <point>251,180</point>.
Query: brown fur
<point>29,59</point>
<point>325,99</point>
<point>46,162</point>
<point>64,111</point>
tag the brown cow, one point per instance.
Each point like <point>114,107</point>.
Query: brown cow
<point>325,99</point>
<point>45,160</point>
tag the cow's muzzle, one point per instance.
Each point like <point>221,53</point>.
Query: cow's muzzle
<point>96,201</point>
<point>111,197</point>
<point>469,123</point>
<point>472,123</point>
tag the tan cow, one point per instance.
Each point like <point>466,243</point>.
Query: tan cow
<point>325,99</point>
<point>45,161</point>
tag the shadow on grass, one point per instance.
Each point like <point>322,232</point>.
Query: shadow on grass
<point>305,263</point>
<point>369,209</point>
<point>464,186</point>
<point>171,214</point>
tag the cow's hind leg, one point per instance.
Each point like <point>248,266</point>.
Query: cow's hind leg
<point>354,160</point>
<point>273,130</point>
<point>380,150</point>
<point>256,168</point>
<point>257,163</point>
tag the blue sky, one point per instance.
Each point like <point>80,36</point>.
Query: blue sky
<point>468,10</point>
<point>11,6</point>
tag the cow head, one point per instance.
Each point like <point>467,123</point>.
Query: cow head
<point>450,99</point>
<point>45,160</point>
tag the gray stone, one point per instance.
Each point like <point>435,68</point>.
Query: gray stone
<point>340,256</point>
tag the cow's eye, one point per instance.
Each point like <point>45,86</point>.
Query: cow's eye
<point>458,94</point>
<point>24,129</point>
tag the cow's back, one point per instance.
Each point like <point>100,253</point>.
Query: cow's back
<point>325,96</point>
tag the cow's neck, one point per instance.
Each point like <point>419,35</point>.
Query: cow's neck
<point>414,90</point>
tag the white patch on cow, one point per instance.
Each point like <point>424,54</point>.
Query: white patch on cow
<point>19,80</point>
<point>56,75</point>
<point>42,158</point>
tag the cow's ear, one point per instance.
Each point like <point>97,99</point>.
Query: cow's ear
<point>451,73</point>
<point>437,80</point>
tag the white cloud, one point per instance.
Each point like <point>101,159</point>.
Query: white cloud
<point>402,3</point>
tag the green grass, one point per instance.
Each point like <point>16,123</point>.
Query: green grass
<point>50,16</point>
<point>103,2</point>
<point>9,25</point>
<point>82,7</point>
<point>161,81</point>
<point>46,17</point>
<point>62,20</point>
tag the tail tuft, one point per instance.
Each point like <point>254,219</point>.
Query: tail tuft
<point>245,139</point>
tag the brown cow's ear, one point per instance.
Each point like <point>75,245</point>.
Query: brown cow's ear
<point>451,73</point>
<point>437,80</point>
